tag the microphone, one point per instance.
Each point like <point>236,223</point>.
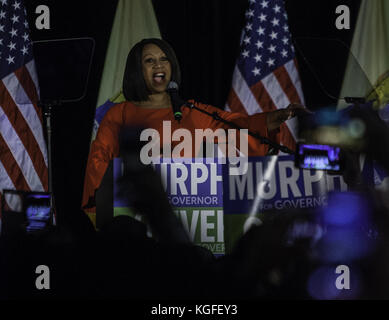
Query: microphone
<point>177,102</point>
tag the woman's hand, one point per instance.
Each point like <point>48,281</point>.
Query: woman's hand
<point>277,117</point>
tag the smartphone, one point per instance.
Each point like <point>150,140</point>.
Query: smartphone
<point>319,157</point>
<point>26,212</point>
<point>37,210</point>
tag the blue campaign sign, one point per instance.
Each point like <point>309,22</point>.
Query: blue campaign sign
<point>275,183</point>
<point>190,184</point>
<point>195,191</point>
<point>269,183</point>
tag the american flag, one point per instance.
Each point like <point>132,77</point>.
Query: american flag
<point>23,156</point>
<point>265,76</point>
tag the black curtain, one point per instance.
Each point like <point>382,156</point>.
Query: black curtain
<point>205,35</point>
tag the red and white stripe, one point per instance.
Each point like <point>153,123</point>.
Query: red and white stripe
<point>275,91</point>
<point>23,154</point>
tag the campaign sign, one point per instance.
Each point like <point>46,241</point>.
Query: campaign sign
<point>271,183</point>
<point>195,192</point>
<point>216,207</point>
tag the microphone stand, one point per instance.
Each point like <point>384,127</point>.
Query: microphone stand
<point>262,139</point>
<point>47,107</point>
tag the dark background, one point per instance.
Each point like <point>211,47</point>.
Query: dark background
<point>205,35</point>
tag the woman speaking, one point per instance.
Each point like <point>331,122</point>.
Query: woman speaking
<point>151,66</point>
